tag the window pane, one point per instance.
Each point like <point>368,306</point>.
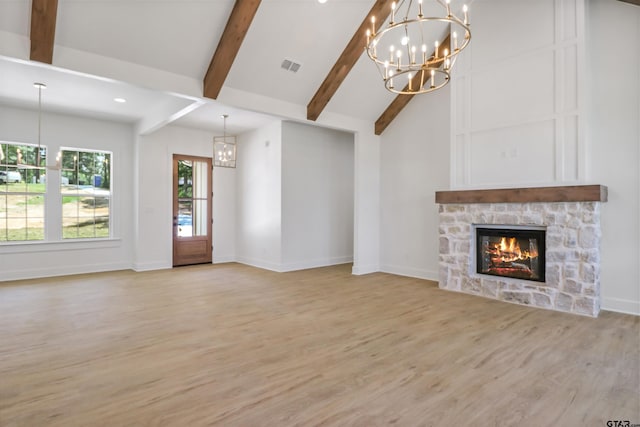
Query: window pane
<point>185,219</point>
<point>185,179</point>
<point>3,218</point>
<point>70,233</point>
<point>85,217</point>
<point>35,217</point>
<point>16,229</point>
<point>200,180</point>
<point>85,186</point>
<point>22,191</point>
<point>11,179</point>
<point>200,217</point>
<point>16,205</point>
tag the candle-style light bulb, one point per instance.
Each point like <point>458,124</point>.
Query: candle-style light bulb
<point>391,50</point>
<point>399,55</point>
<point>465,10</point>
<point>435,52</point>
<point>455,41</point>
<point>386,70</point>
<point>410,77</point>
<point>373,25</point>
<point>448,2</point>
<point>390,79</point>
<point>433,78</point>
<point>420,15</point>
<point>368,36</point>
<point>413,54</point>
<point>424,53</point>
<point>393,12</point>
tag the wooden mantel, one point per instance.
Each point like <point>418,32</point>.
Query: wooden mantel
<point>575,193</point>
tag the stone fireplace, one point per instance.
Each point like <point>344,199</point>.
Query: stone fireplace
<point>530,246</point>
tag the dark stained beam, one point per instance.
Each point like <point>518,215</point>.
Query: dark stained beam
<point>572,193</point>
<point>636,2</point>
<point>43,29</point>
<point>350,55</point>
<point>229,45</point>
<point>401,101</point>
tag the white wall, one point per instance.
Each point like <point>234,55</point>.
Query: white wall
<point>154,224</point>
<point>613,41</point>
<point>518,106</point>
<point>366,235</point>
<point>317,196</point>
<point>258,192</point>
<point>415,164</point>
<point>367,205</point>
<point>32,259</point>
<point>525,114</point>
<point>294,197</point>
<point>224,215</point>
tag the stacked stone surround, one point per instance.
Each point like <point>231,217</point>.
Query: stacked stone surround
<point>572,254</point>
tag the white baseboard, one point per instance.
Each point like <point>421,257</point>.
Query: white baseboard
<point>67,270</point>
<point>359,269</point>
<point>221,259</point>
<point>418,273</point>
<point>621,305</point>
<point>149,266</point>
<point>316,263</point>
<point>294,266</point>
<point>253,262</point>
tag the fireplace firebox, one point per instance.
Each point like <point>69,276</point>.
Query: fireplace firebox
<point>511,252</point>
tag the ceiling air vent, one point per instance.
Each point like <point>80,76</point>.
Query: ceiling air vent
<point>290,65</point>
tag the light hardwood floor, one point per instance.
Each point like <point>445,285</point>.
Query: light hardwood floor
<point>232,345</point>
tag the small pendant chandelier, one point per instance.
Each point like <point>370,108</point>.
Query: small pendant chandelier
<point>415,53</point>
<point>224,148</point>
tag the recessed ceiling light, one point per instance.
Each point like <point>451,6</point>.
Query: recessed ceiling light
<point>322,1</point>
<point>120,100</point>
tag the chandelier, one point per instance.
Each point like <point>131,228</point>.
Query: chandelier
<point>416,52</point>
<point>224,148</point>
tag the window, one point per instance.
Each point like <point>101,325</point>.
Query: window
<point>22,192</point>
<point>85,187</point>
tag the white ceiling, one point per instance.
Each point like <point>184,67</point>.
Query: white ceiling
<point>209,117</point>
<point>66,91</point>
<point>179,37</point>
<point>306,31</point>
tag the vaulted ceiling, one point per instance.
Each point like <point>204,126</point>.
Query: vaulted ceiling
<point>204,46</point>
<point>216,43</point>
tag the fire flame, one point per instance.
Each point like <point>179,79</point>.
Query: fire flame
<point>509,250</point>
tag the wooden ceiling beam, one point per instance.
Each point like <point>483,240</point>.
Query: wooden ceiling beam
<point>350,55</point>
<point>229,45</point>
<point>43,29</point>
<point>401,101</point>
<point>636,2</point>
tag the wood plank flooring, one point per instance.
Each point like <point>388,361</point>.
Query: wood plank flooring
<point>232,345</point>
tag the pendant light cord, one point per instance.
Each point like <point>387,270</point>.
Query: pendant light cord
<point>40,86</point>
<point>39,122</point>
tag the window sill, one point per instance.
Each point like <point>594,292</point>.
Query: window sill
<point>60,245</point>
